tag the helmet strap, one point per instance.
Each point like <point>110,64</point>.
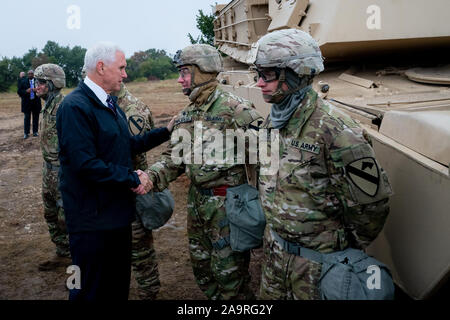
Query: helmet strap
<point>280,94</point>
<point>194,86</point>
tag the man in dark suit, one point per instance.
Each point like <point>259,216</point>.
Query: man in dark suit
<point>97,180</point>
<point>31,104</point>
<point>21,77</point>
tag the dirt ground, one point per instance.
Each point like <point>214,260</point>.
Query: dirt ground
<point>24,238</point>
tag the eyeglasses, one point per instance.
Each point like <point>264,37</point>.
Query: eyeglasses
<point>183,72</point>
<point>268,75</point>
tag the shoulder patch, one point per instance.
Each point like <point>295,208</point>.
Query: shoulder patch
<point>136,124</point>
<point>365,175</point>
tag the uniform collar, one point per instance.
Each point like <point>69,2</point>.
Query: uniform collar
<point>210,100</point>
<point>303,113</point>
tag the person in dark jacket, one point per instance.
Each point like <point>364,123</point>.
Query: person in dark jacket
<point>97,180</point>
<point>20,79</point>
<point>31,104</point>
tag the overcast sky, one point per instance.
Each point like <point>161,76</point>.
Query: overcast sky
<point>133,24</point>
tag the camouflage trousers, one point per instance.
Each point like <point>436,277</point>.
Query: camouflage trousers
<point>287,276</point>
<point>143,261</point>
<point>221,273</point>
<point>54,211</point>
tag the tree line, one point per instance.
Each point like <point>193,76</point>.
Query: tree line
<point>151,64</point>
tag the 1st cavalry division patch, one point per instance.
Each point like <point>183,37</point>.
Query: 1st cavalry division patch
<point>136,124</point>
<point>364,174</point>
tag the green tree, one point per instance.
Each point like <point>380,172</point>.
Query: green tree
<point>74,62</point>
<point>4,75</point>
<point>151,64</point>
<point>41,59</point>
<point>205,23</point>
<point>71,60</point>
<point>9,72</point>
<point>160,68</point>
<point>16,66</point>
<point>27,59</point>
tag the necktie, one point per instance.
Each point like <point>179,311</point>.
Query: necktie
<point>110,103</point>
<point>31,92</point>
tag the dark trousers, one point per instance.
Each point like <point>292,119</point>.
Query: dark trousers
<point>26,122</point>
<point>104,259</point>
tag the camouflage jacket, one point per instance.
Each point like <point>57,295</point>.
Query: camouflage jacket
<point>139,118</point>
<point>221,111</point>
<point>329,191</point>
<point>49,136</point>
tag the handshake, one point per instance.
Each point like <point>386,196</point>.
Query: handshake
<point>146,184</point>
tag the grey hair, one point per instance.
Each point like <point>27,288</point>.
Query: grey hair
<point>102,51</point>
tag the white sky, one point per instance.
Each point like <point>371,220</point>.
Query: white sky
<point>132,24</point>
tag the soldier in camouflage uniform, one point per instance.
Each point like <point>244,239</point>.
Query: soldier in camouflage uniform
<point>143,256</point>
<point>50,80</point>
<point>329,192</point>
<point>220,272</point>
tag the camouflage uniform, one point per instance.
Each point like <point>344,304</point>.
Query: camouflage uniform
<point>220,272</point>
<point>143,256</point>
<point>53,207</point>
<point>329,193</point>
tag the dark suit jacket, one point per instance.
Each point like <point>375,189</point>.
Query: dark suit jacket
<point>96,173</point>
<point>28,104</point>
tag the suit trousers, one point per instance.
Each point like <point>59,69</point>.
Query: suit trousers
<point>104,259</point>
<point>27,120</point>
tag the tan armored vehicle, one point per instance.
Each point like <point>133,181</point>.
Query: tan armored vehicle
<point>404,107</point>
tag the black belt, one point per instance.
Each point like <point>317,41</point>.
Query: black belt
<point>51,166</point>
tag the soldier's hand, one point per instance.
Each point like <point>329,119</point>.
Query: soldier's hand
<point>171,124</point>
<point>146,184</point>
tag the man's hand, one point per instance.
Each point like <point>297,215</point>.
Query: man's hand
<point>146,184</point>
<point>171,124</point>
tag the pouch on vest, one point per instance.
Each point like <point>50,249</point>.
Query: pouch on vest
<point>155,208</point>
<point>353,275</point>
<point>246,217</point>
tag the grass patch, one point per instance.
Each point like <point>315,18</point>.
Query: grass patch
<point>13,88</point>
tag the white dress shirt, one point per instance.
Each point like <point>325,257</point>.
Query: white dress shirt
<point>98,91</point>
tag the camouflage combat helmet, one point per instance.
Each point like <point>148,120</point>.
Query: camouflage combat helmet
<point>51,72</point>
<point>204,56</point>
<point>291,48</point>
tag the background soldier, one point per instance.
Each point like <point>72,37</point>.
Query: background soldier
<point>143,256</point>
<point>329,192</point>
<point>50,79</point>
<point>220,272</point>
